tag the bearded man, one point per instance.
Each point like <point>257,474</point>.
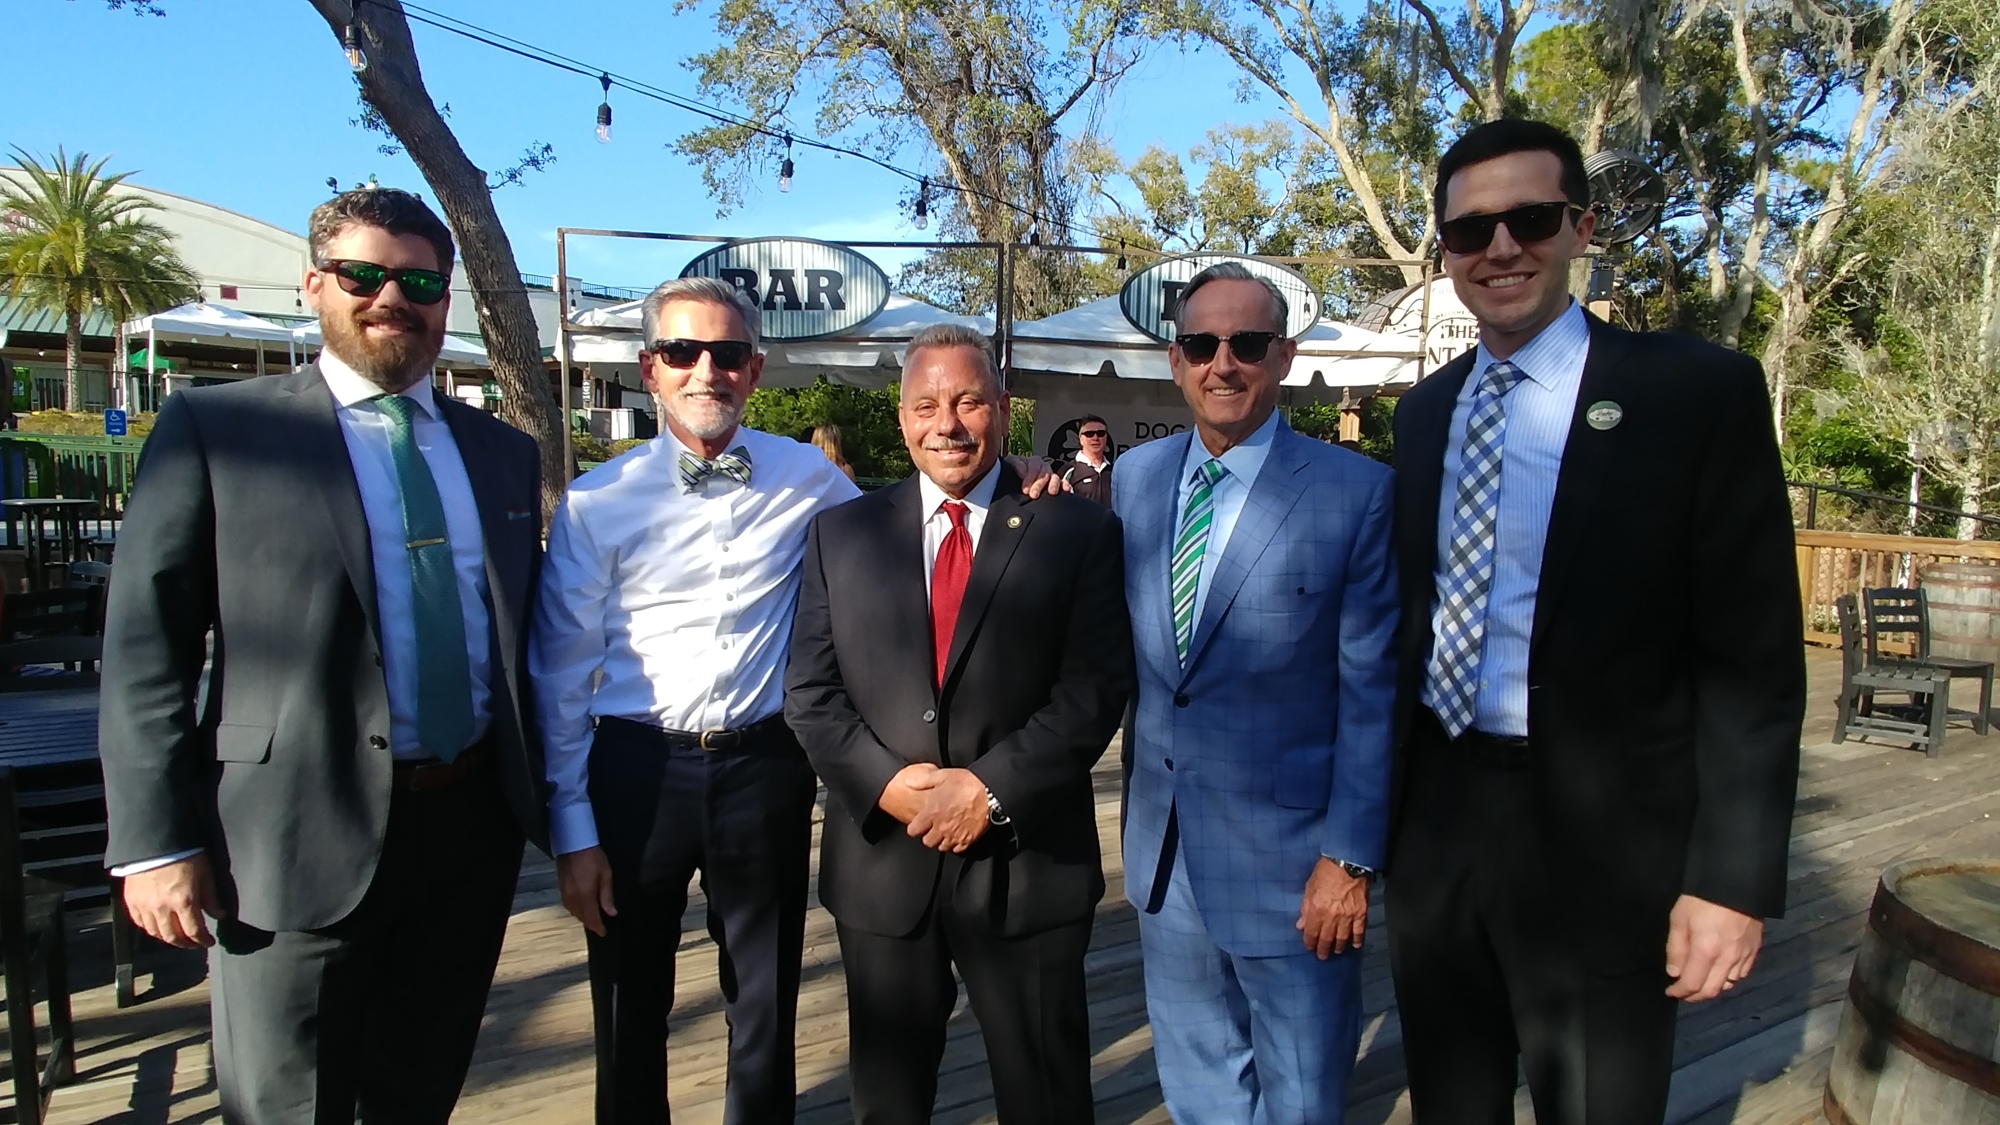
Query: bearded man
<point>659,657</point>
<point>349,558</point>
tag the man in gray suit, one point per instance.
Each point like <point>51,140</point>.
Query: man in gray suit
<point>348,796</point>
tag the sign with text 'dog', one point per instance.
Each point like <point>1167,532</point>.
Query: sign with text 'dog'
<point>807,289</point>
<point>1151,298</point>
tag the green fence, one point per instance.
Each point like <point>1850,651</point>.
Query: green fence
<point>91,467</point>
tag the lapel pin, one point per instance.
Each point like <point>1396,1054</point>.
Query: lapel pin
<point>1604,415</point>
<point>1013,521</point>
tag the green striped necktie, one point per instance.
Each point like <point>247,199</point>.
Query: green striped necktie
<point>1189,547</point>
<point>444,670</point>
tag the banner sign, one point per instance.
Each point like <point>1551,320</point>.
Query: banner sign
<point>1453,328</point>
<point>806,288</point>
<point>1151,297</point>
<point>1135,413</point>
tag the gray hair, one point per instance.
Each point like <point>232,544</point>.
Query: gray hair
<point>1236,271</point>
<point>956,336</point>
<point>707,291</point>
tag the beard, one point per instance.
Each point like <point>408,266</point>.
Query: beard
<point>706,415</point>
<point>392,364</point>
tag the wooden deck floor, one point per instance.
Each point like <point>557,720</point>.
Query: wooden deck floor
<point>1757,1057</point>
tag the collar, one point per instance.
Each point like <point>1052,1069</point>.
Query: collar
<point>1242,459</point>
<point>979,498</point>
<point>351,388</point>
<point>676,447</point>
<point>1082,460</point>
<point>1552,359</point>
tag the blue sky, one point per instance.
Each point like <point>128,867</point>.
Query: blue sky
<point>246,104</point>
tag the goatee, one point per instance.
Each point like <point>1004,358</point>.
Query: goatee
<point>394,363</point>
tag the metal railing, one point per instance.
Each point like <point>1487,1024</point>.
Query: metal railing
<point>92,467</point>
<point>1903,503</point>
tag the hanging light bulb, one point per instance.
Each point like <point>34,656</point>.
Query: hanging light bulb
<point>785,169</point>
<point>1121,256</point>
<point>350,42</point>
<point>604,111</point>
<point>1035,232</point>
<point>924,205</point>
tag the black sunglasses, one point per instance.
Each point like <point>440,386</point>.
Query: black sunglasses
<point>1247,347</point>
<point>365,279</point>
<point>730,355</point>
<point>1093,433</point>
<point>1469,234</point>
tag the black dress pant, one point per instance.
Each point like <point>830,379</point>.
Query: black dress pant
<point>378,1013</point>
<point>1026,992</point>
<point>742,818</point>
<point>1487,971</point>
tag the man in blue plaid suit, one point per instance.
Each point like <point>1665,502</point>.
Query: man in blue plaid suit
<point>1261,581</point>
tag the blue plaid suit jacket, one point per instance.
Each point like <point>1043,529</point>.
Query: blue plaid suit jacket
<point>1272,746</point>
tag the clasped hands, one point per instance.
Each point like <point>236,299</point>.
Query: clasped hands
<point>945,808</point>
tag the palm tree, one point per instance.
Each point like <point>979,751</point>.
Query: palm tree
<point>73,241</point>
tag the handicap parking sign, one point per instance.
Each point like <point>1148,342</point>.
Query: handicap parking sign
<point>114,423</point>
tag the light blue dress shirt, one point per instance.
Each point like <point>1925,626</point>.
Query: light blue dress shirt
<point>365,426</point>
<point>1244,462</point>
<point>1539,411</point>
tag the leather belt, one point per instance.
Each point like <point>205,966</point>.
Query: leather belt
<point>716,739</point>
<point>1499,751</point>
<point>420,777</point>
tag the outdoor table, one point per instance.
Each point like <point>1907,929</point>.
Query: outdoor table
<point>66,514</point>
<point>48,728</point>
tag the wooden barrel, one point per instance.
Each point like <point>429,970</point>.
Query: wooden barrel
<point>1921,1030</point>
<point>1965,609</point>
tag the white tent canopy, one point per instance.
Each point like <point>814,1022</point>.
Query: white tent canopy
<point>1096,339</point>
<point>457,351</point>
<point>204,323</point>
<point>870,355</point>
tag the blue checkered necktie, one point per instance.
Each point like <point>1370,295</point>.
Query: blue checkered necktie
<point>733,465</point>
<point>1468,575</point>
<point>1190,546</point>
<point>444,670</point>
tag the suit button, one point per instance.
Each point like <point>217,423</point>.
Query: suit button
<point>930,716</point>
<point>1180,701</point>
<point>378,742</point>
<point>1170,765</point>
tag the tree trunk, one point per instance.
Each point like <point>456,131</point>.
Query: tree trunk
<point>72,359</point>
<point>394,85</point>
<point>1975,486</point>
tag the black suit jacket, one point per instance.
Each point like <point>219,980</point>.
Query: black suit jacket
<point>245,520</point>
<point>1666,676</point>
<point>1047,576</point>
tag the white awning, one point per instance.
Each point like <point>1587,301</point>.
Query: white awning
<point>202,322</point>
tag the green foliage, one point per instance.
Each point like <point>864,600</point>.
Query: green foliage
<point>79,423</point>
<point>867,421</point>
<point>1322,421</point>
<point>1843,450</point>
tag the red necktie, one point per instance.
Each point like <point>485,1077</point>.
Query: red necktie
<point>948,575</point>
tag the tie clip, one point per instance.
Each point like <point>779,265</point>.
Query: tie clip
<point>415,543</point>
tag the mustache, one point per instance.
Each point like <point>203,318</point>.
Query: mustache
<point>946,444</point>
<point>399,319</point>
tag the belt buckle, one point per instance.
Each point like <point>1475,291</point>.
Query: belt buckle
<point>704,742</point>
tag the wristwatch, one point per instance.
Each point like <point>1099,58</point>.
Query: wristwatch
<point>1354,870</point>
<point>994,812</point>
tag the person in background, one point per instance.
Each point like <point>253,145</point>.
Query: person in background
<point>827,438</point>
<point>1090,475</point>
<point>348,801</point>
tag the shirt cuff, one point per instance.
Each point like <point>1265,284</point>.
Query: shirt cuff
<point>572,827</point>
<point>127,869</point>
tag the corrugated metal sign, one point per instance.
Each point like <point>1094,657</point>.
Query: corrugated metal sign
<point>1151,297</point>
<point>807,289</point>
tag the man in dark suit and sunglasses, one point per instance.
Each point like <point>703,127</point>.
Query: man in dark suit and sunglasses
<point>346,557</point>
<point>1595,788</point>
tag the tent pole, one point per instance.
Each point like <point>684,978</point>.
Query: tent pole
<point>152,358</point>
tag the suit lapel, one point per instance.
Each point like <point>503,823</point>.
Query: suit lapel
<point>1275,492</point>
<point>903,573</point>
<point>1006,524</point>
<point>1588,454</point>
<point>317,439</point>
<point>1157,519</point>
<point>489,497</point>
<point>1420,463</point>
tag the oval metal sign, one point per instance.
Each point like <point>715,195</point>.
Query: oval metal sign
<point>806,288</point>
<point>1151,297</point>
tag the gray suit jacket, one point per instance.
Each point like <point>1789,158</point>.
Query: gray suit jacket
<point>245,520</point>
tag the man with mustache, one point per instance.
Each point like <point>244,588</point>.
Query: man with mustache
<point>659,655</point>
<point>348,798</point>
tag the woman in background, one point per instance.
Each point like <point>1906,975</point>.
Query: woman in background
<point>827,438</point>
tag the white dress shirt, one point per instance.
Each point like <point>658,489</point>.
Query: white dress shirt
<point>1244,462</point>
<point>666,607</point>
<point>364,425</point>
<point>937,522</point>
<point>1539,412</point>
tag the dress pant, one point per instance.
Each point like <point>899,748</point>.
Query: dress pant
<point>376,1014</point>
<point>1488,974</point>
<point>1026,992</point>
<point>741,817</point>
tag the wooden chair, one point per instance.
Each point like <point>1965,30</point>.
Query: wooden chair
<point>1861,677</point>
<point>76,611</point>
<point>1894,612</point>
<point>32,944</point>
<point>30,665</point>
<point>88,573</point>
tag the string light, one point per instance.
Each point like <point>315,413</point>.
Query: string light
<point>1035,231</point>
<point>785,169</point>
<point>604,111</point>
<point>350,42</point>
<point>924,204</point>
<point>1122,267</point>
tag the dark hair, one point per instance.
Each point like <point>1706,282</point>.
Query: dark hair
<point>1088,418</point>
<point>392,209</point>
<point>1509,135</point>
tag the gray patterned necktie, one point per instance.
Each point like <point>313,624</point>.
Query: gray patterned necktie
<point>733,465</point>
<point>1468,576</point>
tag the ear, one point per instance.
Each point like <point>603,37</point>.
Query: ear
<point>646,373</point>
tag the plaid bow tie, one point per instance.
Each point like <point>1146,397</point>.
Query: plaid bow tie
<point>733,465</point>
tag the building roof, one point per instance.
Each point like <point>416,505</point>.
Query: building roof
<point>20,316</point>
